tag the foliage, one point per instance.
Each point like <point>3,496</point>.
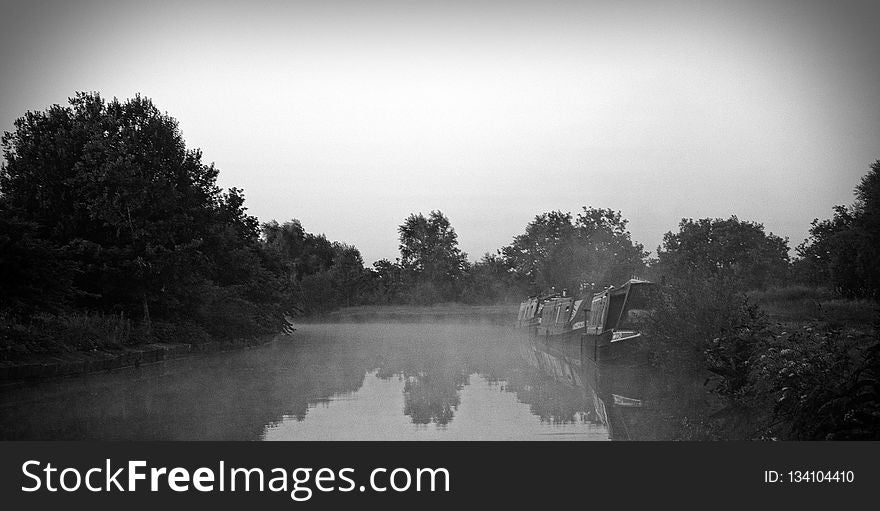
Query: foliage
<point>37,275</point>
<point>115,179</point>
<point>827,257</point>
<point>429,254</point>
<point>533,253</point>
<point>814,379</point>
<point>384,283</point>
<point>492,279</point>
<point>819,382</point>
<point>106,210</point>
<point>315,273</point>
<point>46,333</point>
<point>689,316</point>
<point>737,252</point>
<point>843,251</point>
<point>557,250</point>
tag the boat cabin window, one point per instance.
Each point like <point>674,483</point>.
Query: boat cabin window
<point>575,309</point>
<point>597,313</point>
<point>638,305</point>
<point>615,306</point>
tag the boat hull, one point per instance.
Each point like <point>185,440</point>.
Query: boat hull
<point>602,347</point>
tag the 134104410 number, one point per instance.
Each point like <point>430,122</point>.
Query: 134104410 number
<point>821,476</point>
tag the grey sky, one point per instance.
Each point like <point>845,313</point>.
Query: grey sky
<point>351,115</point>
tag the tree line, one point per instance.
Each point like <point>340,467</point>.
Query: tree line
<point>106,214</point>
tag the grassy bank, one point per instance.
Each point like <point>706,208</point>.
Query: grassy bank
<point>51,345</point>
<point>804,304</point>
<point>444,311</point>
<point>58,334</point>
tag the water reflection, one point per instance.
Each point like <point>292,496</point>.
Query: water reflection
<point>487,412</point>
<point>425,381</point>
<point>622,396</point>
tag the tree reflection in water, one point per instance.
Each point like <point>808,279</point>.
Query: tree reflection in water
<point>237,395</point>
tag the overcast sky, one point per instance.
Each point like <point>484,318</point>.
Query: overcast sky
<point>350,115</point>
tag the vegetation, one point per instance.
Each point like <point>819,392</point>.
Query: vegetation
<point>104,213</point>
<point>430,258</point>
<point>556,251</point>
<point>843,251</point>
<point>736,252</point>
<point>564,252</point>
<point>790,361</point>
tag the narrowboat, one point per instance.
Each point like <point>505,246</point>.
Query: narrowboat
<point>606,322</point>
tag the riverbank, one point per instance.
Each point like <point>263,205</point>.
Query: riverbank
<point>59,346</point>
<point>804,304</point>
<point>498,314</point>
<point>47,345</point>
<point>41,366</point>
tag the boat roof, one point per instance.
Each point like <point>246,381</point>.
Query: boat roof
<point>623,287</point>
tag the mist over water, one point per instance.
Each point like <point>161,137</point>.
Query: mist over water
<point>431,380</point>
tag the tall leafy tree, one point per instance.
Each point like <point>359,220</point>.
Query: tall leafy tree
<point>843,251</point>
<point>317,274</point>
<point>559,250</point>
<point>37,275</point>
<point>430,254</point>
<point>828,256</point>
<point>609,254</point>
<point>867,208</point>
<point>492,280</point>
<point>112,185</point>
<point>738,252</point>
<point>534,254</point>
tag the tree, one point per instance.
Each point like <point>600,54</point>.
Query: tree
<point>348,273</point>
<point>492,280</point>
<point>36,275</point>
<point>284,244</point>
<point>611,256</point>
<point>430,254</point>
<point>558,250</point>
<point>867,208</point>
<point>112,186</point>
<point>843,251</point>
<point>733,251</point>
<point>386,282</point>
<point>828,256</point>
<point>533,255</point>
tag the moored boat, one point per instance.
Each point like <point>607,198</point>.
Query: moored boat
<point>605,323</point>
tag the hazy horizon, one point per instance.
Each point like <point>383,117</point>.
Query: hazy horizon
<point>349,116</point>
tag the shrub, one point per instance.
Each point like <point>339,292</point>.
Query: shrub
<point>818,383</point>
<point>180,332</point>
<point>51,333</point>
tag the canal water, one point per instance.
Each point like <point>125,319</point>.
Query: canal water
<point>341,381</point>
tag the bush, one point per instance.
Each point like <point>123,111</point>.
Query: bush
<point>689,317</point>
<point>180,332</point>
<point>814,381</point>
<point>818,383</point>
<point>225,315</point>
<point>424,293</point>
<point>52,333</point>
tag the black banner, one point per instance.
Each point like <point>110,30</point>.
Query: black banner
<point>398,475</point>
